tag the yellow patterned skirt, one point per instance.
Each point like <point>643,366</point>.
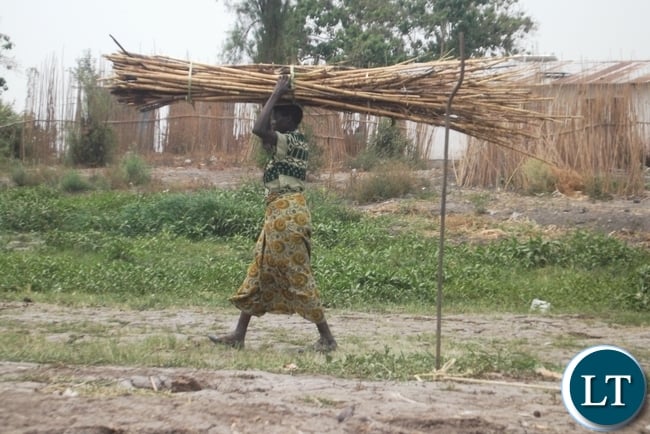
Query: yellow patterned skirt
<point>280,279</point>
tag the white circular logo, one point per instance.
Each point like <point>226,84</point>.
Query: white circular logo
<point>604,388</point>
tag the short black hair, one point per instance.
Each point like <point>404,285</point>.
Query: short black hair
<point>293,110</point>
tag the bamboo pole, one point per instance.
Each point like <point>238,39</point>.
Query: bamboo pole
<point>491,106</point>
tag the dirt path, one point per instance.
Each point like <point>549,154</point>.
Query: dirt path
<point>114,399</point>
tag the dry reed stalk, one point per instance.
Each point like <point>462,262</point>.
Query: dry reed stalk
<point>599,147</point>
<point>406,91</point>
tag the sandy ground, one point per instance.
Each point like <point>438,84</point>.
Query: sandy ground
<point>116,399</point>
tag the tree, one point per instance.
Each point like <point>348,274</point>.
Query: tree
<point>266,31</point>
<point>5,62</point>
<point>367,33</point>
<point>10,132</point>
<point>10,129</point>
<point>92,141</point>
<point>490,27</point>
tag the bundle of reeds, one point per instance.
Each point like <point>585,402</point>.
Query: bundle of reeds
<point>490,105</point>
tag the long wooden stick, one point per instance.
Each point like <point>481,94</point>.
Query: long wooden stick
<point>554,388</point>
<point>491,106</point>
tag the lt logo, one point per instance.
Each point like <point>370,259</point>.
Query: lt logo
<point>604,388</point>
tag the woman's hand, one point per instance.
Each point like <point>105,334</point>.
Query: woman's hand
<point>283,85</point>
<point>262,127</point>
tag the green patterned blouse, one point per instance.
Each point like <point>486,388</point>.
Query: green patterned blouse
<point>287,169</point>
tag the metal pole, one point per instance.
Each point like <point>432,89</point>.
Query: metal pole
<point>443,202</point>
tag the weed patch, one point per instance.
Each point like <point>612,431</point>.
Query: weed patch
<point>389,180</point>
<point>155,249</point>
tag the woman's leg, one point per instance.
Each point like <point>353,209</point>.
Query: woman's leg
<point>236,338</point>
<point>326,342</point>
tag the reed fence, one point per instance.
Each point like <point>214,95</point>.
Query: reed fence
<point>599,134</point>
<point>601,146</point>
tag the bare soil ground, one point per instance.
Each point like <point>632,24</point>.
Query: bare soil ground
<point>38,398</point>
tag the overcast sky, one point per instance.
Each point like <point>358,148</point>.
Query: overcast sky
<point>44,31</point>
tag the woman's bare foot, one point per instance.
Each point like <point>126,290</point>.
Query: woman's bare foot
<point>324,345</point>
<point>230,340</point>
<point>236,338</point>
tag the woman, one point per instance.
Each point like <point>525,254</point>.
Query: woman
<point>280,279</point>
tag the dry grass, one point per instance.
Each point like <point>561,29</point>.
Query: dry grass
<point>599,150</point>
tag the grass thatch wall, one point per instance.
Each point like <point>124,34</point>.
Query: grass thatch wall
<point>599,147</point>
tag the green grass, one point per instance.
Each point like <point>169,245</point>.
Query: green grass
<point>165,350</point>
<point>192,249</point>
<point>166,250</point>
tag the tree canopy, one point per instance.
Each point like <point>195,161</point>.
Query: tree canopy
<point>5,61</point>
<point>368,33</point>
<point>266,31</point>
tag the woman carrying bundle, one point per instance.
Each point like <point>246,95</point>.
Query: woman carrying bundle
<point>280,279</point>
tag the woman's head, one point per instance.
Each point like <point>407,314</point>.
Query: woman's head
<point>287,117</point>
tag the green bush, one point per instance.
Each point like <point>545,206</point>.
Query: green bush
<point>585,250</point>
<point>72,182</point>
<point>10,133</point>
<point>134,170</point>
<point>21,177</point>
<point>92,142</point>
<point>92,146</point>
<point>600,188</point>
<point>480,202</point>
<point>643,295</point>
<point>197,215</point>
<point>389,180</point>
<point>365,160</point>
<point>389,142</point>
<point>329,207</point>
<point>194,215</point>
<point>31,209</point>
<point>537,177</point>
<point>30,177</point>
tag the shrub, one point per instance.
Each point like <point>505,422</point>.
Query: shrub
<point>72,182</point>
<point>389,142</point>
<point>365,160</point>
<point>599,188</point>
<point>386,181</point>
<point>636,296</point>
<point>642,297</point>
<point>537,177</point>
<point>480,202</point>
<point>195,216</point>
<point>135,170</point>
<point>91,144</point>
<point>24,177</point>
<point>30,209</point>
<point>10,133</point>
<point>20,176</point>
